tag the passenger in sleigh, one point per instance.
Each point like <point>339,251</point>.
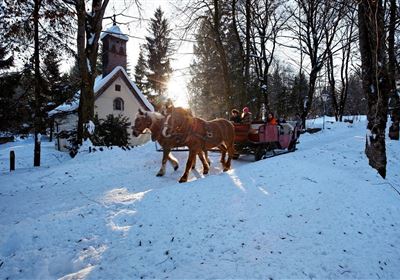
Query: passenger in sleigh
<point>235,116</point>
<point>247,117</point>
<point>271,120</point>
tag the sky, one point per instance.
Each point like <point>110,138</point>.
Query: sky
<point>134,23</point>
<point>137,30</point>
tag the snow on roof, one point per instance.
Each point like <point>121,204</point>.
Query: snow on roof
<point>66,107</point>
<point>73,104</point>
<point>114,31</point>
<point>138,91</point>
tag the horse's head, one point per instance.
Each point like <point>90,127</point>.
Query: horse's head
<point>177,122</point>
<point>142,122</point>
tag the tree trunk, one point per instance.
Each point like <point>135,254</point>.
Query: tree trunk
<point>38,113</point>
<point>394,97</point>
<point>222,55</point>
<point>344,76</point>
<point>310,94</point>
<point>332,82</point>
<point>51,129</point>
<point>86,99</point>
<point>89,29</point>
<point>243,56</point>
<point>375,83</point>
<point>248,47</point>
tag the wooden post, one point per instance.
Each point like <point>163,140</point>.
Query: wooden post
<point>12,161</point>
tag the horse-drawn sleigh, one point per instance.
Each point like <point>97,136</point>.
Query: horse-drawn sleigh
<point>263,140</point>
<point>180,128</point>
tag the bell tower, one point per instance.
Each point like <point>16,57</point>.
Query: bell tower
<point>114,48</point>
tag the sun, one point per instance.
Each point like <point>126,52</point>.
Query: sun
<point>177,91</point>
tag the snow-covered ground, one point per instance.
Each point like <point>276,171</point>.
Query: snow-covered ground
<point>320,212</point>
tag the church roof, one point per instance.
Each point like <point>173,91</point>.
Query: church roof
<point>100,85</point>
<point>115,32</point>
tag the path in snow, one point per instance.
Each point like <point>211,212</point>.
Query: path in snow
<point>320,212</point>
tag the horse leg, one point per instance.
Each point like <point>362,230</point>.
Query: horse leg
<point>206,156</point>
<point>165,157</point>
<point>223,150</point>
<point>203,158</point>
<point>189,163</point>
<point>174,162</point>
<point>231,153</point>
<point>194,163</point>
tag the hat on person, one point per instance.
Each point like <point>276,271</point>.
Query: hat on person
<point>245,109</point>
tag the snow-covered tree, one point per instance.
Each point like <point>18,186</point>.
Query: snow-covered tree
<point>5,62</point>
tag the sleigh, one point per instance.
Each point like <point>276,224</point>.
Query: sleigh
<point>263,140</point>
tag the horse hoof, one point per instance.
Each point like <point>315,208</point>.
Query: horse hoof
<point>160,174</point>
<point>182,180</point>
<point>205,172</point>
<point>176,167</point>
<point>226,169</point>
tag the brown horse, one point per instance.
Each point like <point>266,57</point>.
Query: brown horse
<point>199,134</point>
<point>154,122</point>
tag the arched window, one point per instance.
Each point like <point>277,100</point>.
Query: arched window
<point>118,104</point>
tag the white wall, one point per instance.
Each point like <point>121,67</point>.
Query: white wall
<point>64,123</point>
<point>104,106</point>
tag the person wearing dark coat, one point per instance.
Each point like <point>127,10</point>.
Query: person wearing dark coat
<point>235,117</point>
<point>247,117</point>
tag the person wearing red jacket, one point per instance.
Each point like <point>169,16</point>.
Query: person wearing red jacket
<point>271,120</point>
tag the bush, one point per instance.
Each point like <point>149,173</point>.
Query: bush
<point>113,131</point>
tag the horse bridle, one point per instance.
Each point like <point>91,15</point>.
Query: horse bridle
<point>165,127</point>
<point>144,131</point>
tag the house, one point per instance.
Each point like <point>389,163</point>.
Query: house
<point>115,93</point>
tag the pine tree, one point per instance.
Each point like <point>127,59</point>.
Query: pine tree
<point>140,72</point>
<point>299,94</point>
<point>23,21</point>
<point>206,91</point>
<point>9,117</point>
<point>58,88</point>
<point>159,49</point>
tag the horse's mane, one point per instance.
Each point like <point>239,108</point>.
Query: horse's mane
<point>182,110</point>
<point>155,116</point>
<point>157,120</point>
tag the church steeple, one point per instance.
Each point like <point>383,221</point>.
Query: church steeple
<point>114,48</point>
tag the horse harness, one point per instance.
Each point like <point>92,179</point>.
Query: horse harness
<point>182,137</point>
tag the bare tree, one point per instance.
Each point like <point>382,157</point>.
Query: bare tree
<point>315,25</point>
<point>394,97</point>
<point>268,20</point>
<point>248,46</point>
<point>346,36</point>
<point>38,118</point>
<point>88,35</point>
<point>375,79</point>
